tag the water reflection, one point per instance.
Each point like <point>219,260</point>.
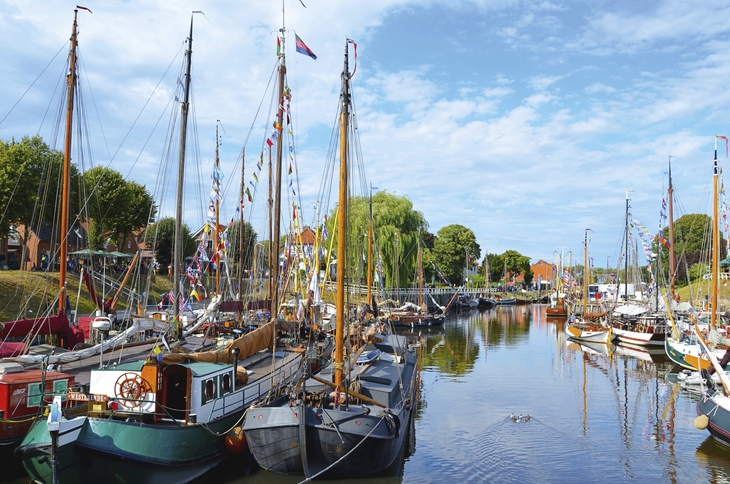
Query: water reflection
<point>598,412</point>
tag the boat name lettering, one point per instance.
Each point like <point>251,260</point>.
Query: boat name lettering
<point>85,397</point>
<point>19,391</point>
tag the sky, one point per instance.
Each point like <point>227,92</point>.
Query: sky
<point>525,121</point>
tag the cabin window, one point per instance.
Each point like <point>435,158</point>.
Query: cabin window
<point>209,390</point>
<point>226,384</point>
<point>60,387</point>
<point>35,394</point>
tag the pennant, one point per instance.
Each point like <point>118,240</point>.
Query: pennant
<point>290,168</point>
<point>255,177</point>
<point>278,46</point>
<point>303,49</point>
<point>195,294</point>
<point>269,142</point>
<point>84,8</point>
<point>248,193</point>
<point>354,45</point>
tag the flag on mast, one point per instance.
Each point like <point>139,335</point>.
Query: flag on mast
<point>303,49</point>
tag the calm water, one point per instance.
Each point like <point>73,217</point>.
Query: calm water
<point>596,414</point>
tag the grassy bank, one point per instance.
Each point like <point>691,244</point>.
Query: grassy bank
<point>27,294</point>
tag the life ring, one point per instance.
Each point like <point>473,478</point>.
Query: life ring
<point>640,328</point>
<point>129,388</point>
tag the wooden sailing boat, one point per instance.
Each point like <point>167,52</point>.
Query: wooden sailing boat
<point>684,348</point>
<point>166,418</point>
<point>344,423</point>
<point>418,317</point>
<point>591,327</point>
<point>633,323</point>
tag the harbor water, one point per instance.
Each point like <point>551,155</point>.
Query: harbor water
<point>596,413</point>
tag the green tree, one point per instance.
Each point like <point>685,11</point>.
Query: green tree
<point>116,207</point>
<point>393,220</point>
<point>30,189</point>
<point>510,265</point>
<point>692,245</point>
<point>453,244</point>
<point>161,236</point>
<point>249,243</point>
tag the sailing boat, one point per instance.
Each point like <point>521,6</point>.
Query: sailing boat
<point>591,327</point>
<point>485,302</point>
<point>409,316</point>
<point>341,424</point>
<point>683,348</point>
<point>632,323</point>
<point>557,307</point>
<point>165,418</point>
<point>24,391</point>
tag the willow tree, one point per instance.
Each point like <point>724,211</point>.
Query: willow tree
<point>396,228</point>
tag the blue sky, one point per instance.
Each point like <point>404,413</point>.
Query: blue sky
<point>525,121</point>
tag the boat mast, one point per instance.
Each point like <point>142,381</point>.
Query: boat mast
<point>670,195</point>
<point>370,249</point>
<point>626,258</point>
<point>715,240</point>
<point>177,254</point>
<point>342,225</point>
<point>585,274</point>
<point>420,273</point>
<point>217,235</point>
<point>71,89</point>
<point>277,203</point>
<point>240,230</point>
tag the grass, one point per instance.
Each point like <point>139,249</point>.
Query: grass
<point>27,294</point>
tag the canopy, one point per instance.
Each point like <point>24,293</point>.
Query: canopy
<point>88,252</point>
<point>119,254</point>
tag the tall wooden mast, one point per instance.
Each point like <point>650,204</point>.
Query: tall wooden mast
<point>670,195</point>
<point>66,183</point>
<point>274,255</point>
<point>342,225</point>
<point>217,237</point>
<point>178,252</point>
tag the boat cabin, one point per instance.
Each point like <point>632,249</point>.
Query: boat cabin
<point>22,392</point>
<point>187,392</point>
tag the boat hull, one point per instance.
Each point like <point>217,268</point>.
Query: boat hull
<point>717,409</point>
<point>368,442</point>
<point>107,450</point>
<point>640,338</point>
<point>590,333</point>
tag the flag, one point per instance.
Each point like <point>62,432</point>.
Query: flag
<point>167,345</point>
<point>278,46</point>
<point>303,49</point>
<point>248,193</point>
<point>269,142</point>
<point>181,303</point>
<point>84,8</point>
<point>195,295</point>
<point>290,168</point>
<point>255,177</point>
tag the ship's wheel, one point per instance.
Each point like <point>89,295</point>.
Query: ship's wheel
<point>129,388</point>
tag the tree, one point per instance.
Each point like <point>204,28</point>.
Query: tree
<point>507,266</point>
<point>454,243</point>
<point>161,237</point>
<point>692,244</point>
<point>249,244</point>
<point>396,227</point>
<point>116,207</point>
<point>30,188</point>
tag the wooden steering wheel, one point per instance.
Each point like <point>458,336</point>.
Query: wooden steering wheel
<point>129,388</point>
